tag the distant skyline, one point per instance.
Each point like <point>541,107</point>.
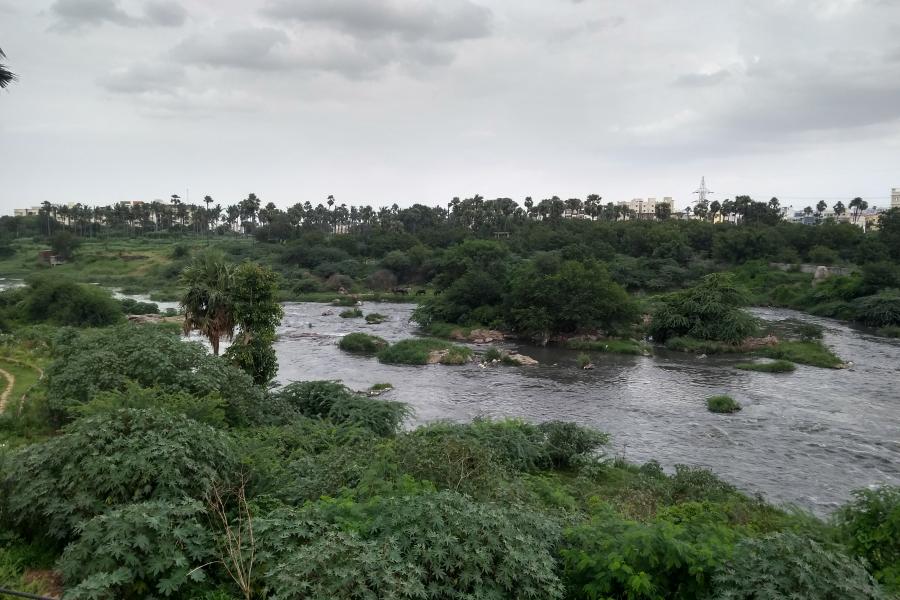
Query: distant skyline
<point>417,101</point>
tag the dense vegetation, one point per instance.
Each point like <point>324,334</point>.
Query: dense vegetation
<point>144,478</point>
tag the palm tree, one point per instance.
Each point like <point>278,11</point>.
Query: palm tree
<point>207,301</point>
<point>857,205</point>
<point>839,208</point>
<point>6,76</point>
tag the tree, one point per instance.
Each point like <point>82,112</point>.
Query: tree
<point>6,76</point>
<point>256,312</point>
<point>857,205</point>
<point>821,207</point>
<point>663,211</point>
<point>839,208</point>
<point>207,302</point>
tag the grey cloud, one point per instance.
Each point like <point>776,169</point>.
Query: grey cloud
<point>78,14</point>
<point>434,20</point>
<point>142,78</point>
<point>255,48</point>
<point>702,79</point>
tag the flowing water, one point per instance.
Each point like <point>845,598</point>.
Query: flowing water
<point>807,437</point>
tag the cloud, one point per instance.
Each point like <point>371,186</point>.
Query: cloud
<point>411,20</point>
<point>254,48</point>
<point>143,78</point>
<point>702,79</point>
<point>78,14</point>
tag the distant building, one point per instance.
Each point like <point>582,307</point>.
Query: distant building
<point>895,197</point>
<point>646,209</point>
<point>27,212</point>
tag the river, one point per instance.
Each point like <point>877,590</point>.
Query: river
<point>807,437</point>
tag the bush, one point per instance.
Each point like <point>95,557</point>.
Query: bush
<point>722,404</point>
<point>785,566</point>
<point>566,441</point>
<point>414,351</point>
<point>362,343</point>
<point>614,558</point>
<point>108,460</point>
<point>707,311</point>
<point>809,332</point>
<point>614,346</point>
<point>130,306</point>
<point>492,354</point>
<point>337,281</point>
<point>880,310</point>
<point>776,366</point>
<point>63,302</point>
<point>870,527</point>
<point>152,549</point>
<point>583,360</point>
<point>456,355</point>
<point>806,353</point>
<point>431,546</point>
<point>353,313</point>
<point>209,409</point>
<point>335,402</point>
<point>375,318</point>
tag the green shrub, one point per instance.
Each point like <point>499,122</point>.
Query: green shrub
<point>809,331</point>
<point>151,549</point>
<point>344,301</point>
<point>457,355</point>
<point>209,409</point>
<point>708,311</point>
<point>130,306</point>
<point>610,345</point>
<point>583,360</point>
<point>776,366</point>
<point>492,354</point>
<point>722,404</point>
<point>891,331</point>
<point>413,351</point>
<point>786,566</point>
<point>449,461</point>
<point>63,302</point>
<point>353,313</point>
<point>381,387</point>
<point>362,343</point>
<point>695,346</point>
<point>880,310</point>
<point>812,353</point>
<point>431,546</point>
<point>107,460</point>
<point>693,484</point>
<point>565,442</point>
<point>870,527</point>
<point>615,558</point>
<point>375,318</point>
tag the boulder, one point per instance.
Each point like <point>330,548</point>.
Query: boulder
<point>521,359</point>
<point>821,274</point>
<point>478,336</point>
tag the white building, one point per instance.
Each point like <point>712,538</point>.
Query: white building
<point>646,209</point>
<point>27,212</point>
<point>895,197</point>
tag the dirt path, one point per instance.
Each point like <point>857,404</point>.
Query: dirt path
<point>11,383</point>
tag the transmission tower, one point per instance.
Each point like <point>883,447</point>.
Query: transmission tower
<point>703,192</point>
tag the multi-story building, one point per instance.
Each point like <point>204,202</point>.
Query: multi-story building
<point>895,197</point>
<point>646,209</point>
<point>27,212</point>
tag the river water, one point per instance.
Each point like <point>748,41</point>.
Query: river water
<point>807,437</point>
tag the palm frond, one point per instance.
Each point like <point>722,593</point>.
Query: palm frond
<point>6,76</point>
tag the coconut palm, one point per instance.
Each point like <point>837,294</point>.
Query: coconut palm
<point>6,76</point>
<point>857,205</point>
<point>207,302</point>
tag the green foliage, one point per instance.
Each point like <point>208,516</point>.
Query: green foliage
<point>614,558</point>
<point>492,354</point>
<point>344,301</point>
<point>130,306</point>
<point>786,566</point>
<point>152,358</point>
<point>413,351</point>
<point>870,526</point>
<point>64,244</point>
<point>433,546</point>
<point>257,313</point>
<point>583,360</point>
<point>111,459</point>
<point>457,355</point>
<point>813,353</point>
<point>610,345</point>
<point>375,318</point>
<point>809,332</point>
<point>880,310</point>
<point>335,402</point>
<point>147,550</point>
<point>549,297</point>
<point>722,404</point>
<point>565,442</point>
<point>708,311</point>
<point>63,302</point>
<point>353,313</point>
<point>209,409</point>
<point>775,366</point>
<point>362,343</point>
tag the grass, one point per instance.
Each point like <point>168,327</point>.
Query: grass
<point>583,360</point>
<point>688,344</point>
<point>362,343</point>
<point>343,301</point>
<point>891,331</point>
<point>25,377</point>
<point>611,345</point>
<point>813,353</point>
<point>415,351</point>
<point>722,404</point>
<point>375,318</point>
<point>353,313</point>
<point>381,387</point>
<point>777,366</point>
<point>492,354</point>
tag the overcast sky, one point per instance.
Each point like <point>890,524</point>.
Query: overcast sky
<point>383,101</point>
